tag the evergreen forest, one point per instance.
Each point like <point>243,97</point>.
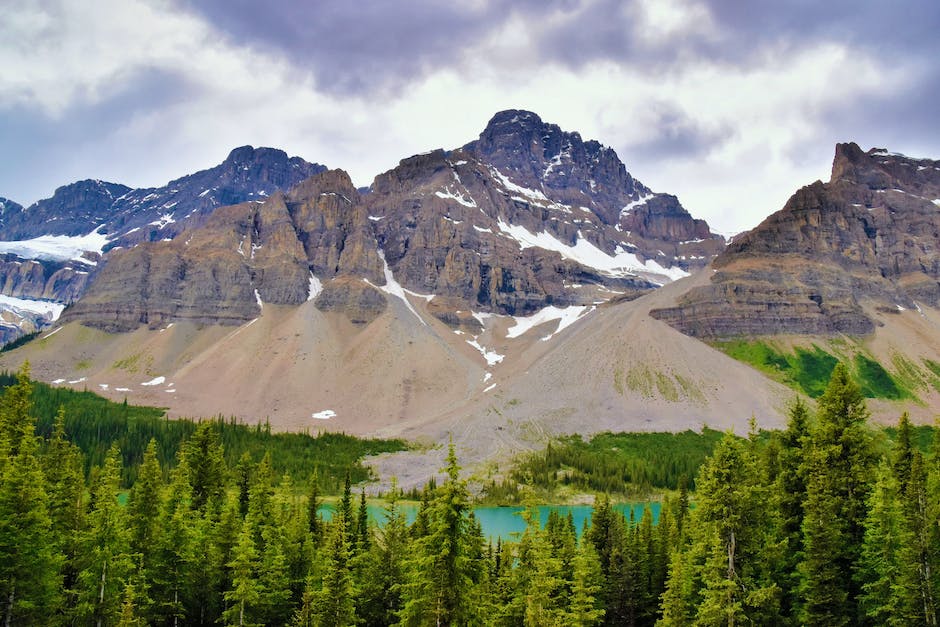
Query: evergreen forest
<point>812,525</point>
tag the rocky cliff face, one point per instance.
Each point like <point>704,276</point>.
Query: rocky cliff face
<point>870,236</point>
<point>51,249</point>
<point>129,216</point>
<point>246,255</point>
<point>590,176</point>
<point>524,217</point>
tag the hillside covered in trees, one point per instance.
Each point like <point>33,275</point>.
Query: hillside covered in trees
<point>808,526</point>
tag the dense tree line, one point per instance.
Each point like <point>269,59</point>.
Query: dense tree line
<point>809,526</point>
<point>625,464</point>
<point>95,425</point>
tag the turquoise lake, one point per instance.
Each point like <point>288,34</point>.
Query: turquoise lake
<point>506,523</point>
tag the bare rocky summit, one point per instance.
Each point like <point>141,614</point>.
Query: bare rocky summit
<point>869,238</point>
<point>525,217</point>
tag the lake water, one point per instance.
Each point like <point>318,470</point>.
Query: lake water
<point>506,522</point>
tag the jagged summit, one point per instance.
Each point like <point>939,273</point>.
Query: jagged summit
<point>126,215</point>
<point>868,238</point>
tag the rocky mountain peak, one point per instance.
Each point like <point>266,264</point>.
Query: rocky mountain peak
<point>74,209</point>
<point>8,207</point>
<point>869,235</point>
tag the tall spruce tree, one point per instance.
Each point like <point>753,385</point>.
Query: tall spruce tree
<point>790,488</point>
<point>384,572</point>
<point>840,464</point>
<point>443,577</point>
<point>106,558</point>
<point>725,575</point>
<point>30,562</point>
<point>335,602</point>
<point>879,565</point>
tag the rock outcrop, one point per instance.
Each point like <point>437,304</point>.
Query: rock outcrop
<point>130,216</point>
<point>44,242</point>
<point>524,217</point>
<point>870,236</point>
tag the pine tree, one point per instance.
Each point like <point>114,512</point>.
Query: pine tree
<point>443,577</point>
<point>306,616</point>
<point>362,524</point>
<point>274,579</point>
<point>144,501</point>
<point>335,601</point>
<point>173,555</point>
<point>539,582</point>
<point>313,509</point>
<point>879,565</point>
<point>790,487</point>
<point>205,463</point>
<point>106,558</point>
<point>903,452</point>
<point>63,466</point>
<point>384,572</point>
<point>29,562</point>
<point>243,478</point>
<point>918,553</point>
<point>245,593</point>
<point>584,608</point>
<point>129,616</point>
<point>840,463</point>
<point>731,551</point>
<point>345,510</point>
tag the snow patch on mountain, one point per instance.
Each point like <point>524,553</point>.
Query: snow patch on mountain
<point>492,357</point>
<point>315,287</point>
<point>45,308</point>
<point>533,194</point>
<point>635,203</point>
<point>58,247</point>
<point>447,194</point>
<point>621,264</point>
<point>566,316</point>
<point>393,287</point>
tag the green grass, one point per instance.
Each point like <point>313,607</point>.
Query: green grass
<point>875,380</point>
<point>808,369</point>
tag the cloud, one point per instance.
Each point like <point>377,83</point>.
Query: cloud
<point>729,107</point>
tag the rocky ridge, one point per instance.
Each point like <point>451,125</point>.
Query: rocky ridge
<point>470,230</point>
<point>49,251</point>
<point>868,240</point>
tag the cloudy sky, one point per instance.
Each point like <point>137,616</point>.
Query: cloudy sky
<point>730,104</point>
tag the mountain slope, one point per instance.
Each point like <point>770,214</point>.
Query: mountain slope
<point>448,225</point>
<point>49,252</point>
<point>868,240</point>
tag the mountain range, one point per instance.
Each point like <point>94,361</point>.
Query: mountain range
<point>519,286</point>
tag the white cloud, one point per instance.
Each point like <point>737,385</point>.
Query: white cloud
<point>61,54</point>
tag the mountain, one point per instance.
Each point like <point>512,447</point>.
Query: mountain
<point>128,216</point>
<point>465,294</point>
<point>470,229</point>
<point>49,251</point>
<point>837,257</point>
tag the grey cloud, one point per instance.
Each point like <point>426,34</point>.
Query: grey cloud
<point>43,153</point>
<point>361,47</point>
<point>677,137</point>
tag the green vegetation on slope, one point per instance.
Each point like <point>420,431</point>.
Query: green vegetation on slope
<point>94,424</point>
<point>808,370</point>
<point>631,465</point>
<point>622,464</point>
